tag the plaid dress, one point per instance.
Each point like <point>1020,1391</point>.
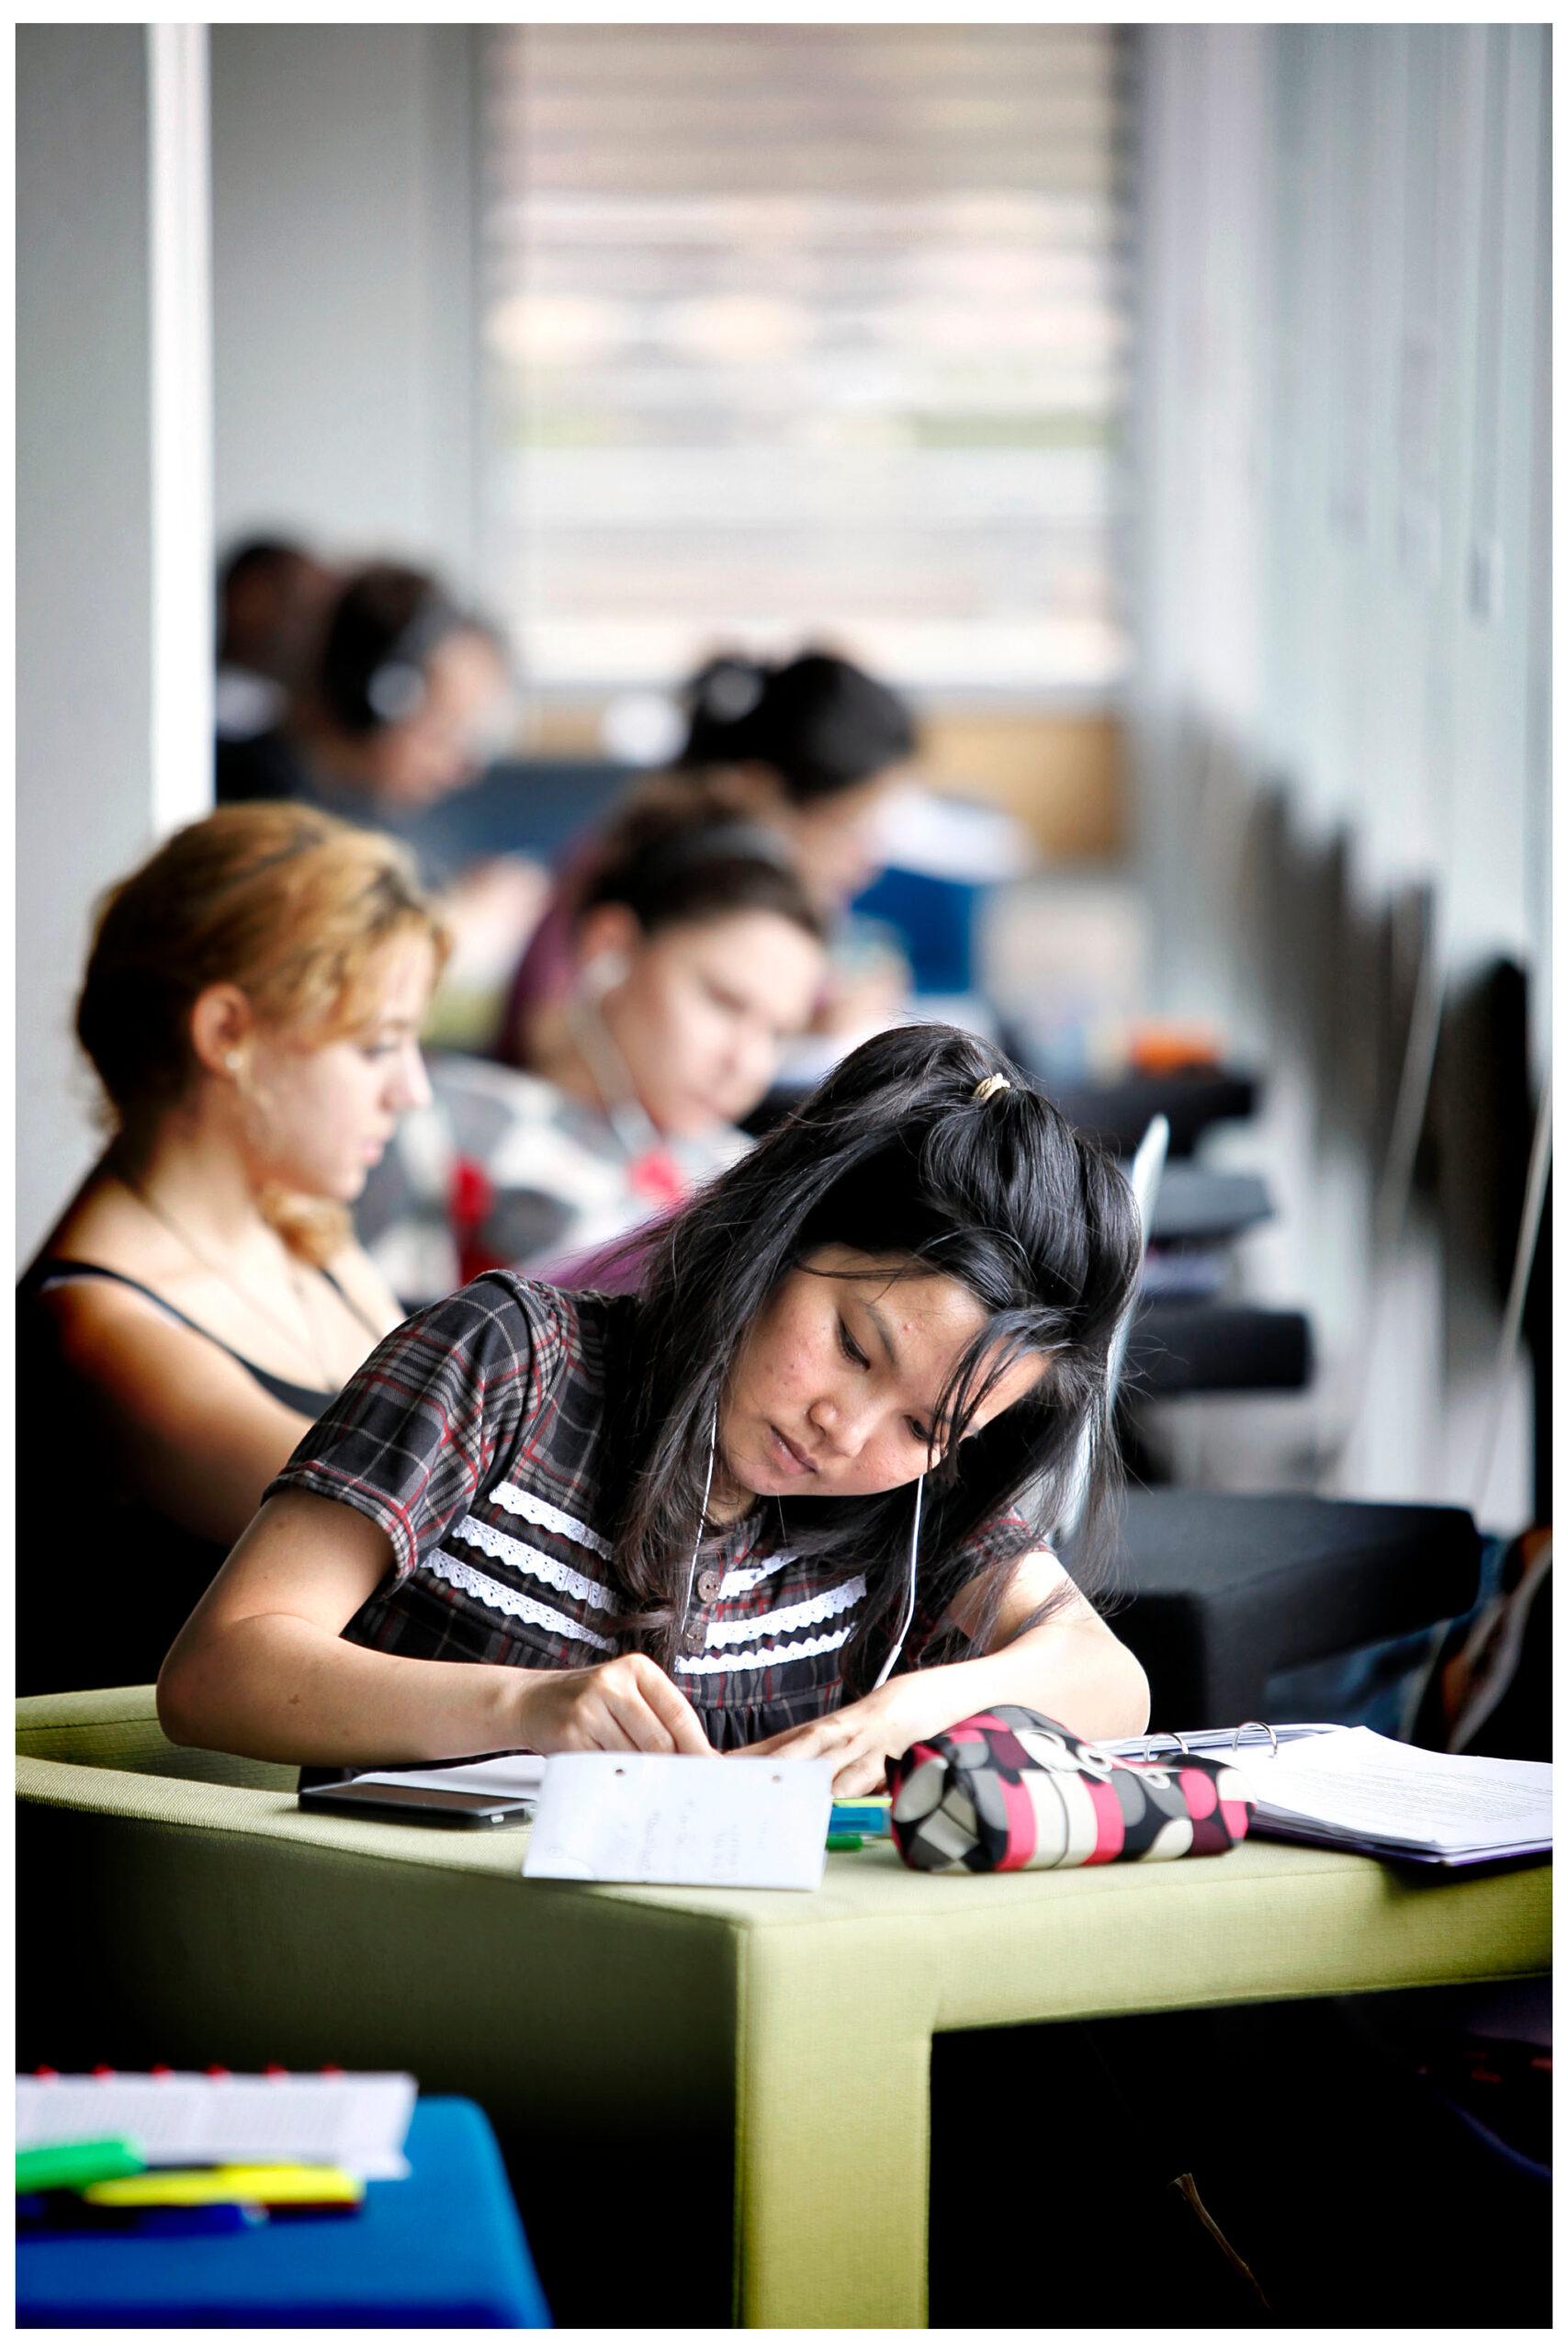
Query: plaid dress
<point>503,1169</point>
<point>473,1436</point>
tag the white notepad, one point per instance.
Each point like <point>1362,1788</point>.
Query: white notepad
<point>357,2121</point>
<point>683,1820</point>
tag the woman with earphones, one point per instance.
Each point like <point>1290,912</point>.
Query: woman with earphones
<point>809,748</point>
<point>251,1007</point>
<point>696,954</point>
<point>402,705</point>
<point>407,700</point>
<point>795,1495</point>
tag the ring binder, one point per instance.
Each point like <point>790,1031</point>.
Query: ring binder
<point>1149,1738</point>
<point>1344,1785</point>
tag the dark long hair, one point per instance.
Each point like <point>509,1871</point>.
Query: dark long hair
<point>682,856</point>
<point>821,724</point>
<point>893,1155</point>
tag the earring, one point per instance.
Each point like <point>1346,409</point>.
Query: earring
<point>232,1061</point>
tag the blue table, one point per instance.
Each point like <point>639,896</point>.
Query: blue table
<point>444,2248</point>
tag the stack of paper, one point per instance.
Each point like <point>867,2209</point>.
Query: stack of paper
<point>357,2122</point>
<point>486,1776</point>
<point>1331,1786</point>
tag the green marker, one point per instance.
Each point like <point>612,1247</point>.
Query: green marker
<point>845,1841</point>
<point>77,2164</point>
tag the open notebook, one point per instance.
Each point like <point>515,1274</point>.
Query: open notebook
<point>1327,1785</point>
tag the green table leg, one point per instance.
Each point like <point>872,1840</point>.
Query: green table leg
<point>832,2129</point>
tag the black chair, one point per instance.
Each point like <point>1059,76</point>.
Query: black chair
<point>1218,1592</point>
<point>1199,1207</point>
<point>1203,1347</point>
<point>1117,1113</point>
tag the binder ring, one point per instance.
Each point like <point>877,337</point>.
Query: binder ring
<point>1253,1724</point>
<point>1149,1738</point>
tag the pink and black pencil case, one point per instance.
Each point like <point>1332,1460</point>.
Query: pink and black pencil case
<point>1009,1789</point>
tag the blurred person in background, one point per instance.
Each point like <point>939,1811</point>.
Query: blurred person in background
<point>810,747</point>
<point>696,953</point>
<point>273,599</point>
<point>252,1006</point>
<point>408,700</point>
<point>404,700</point>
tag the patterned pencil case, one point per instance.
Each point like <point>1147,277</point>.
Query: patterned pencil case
<point>1009,1789</point>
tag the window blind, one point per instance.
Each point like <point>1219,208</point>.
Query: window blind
<point>808,332</point>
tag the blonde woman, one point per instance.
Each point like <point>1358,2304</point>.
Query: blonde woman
<point>252,1006</point>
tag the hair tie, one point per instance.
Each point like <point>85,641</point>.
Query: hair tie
<point>994,1084</point>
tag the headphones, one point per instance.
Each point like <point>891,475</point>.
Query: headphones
<point>394,686</point>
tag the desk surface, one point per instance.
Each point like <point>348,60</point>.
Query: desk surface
<point>801,2022</point>
<point>1268,1921</point>
<point>442,2248</point>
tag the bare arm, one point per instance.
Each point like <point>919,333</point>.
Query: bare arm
<point>1072,1668</point>
<point>260,1668</point>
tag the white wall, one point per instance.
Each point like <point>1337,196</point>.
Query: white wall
<point>1343,590</point>
<point>1344,489</point>
<point>343,162</point>
<point>340,396</point>
<point>112,555</point>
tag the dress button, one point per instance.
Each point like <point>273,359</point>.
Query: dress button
<point>708,1584</point>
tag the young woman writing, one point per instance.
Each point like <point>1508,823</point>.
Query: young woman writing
<point>773,1500</point>
<point>251,1007</point>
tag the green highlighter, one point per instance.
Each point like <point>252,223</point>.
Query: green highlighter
<point>77,2164</point>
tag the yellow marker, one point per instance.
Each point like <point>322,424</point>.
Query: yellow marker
<point>233,2185</point>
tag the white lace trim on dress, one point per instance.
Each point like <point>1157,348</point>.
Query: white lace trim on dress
<point>533,1564</point>
<point>510,1603</point>
<point>749,1661</point>
<point>543,1514</point>
<point>809,1612</point>
<point>742,1579</point>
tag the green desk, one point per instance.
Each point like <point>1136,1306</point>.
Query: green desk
<point>232,1926</point>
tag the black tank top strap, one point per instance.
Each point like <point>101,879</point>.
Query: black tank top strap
<point>353,1305</point>
<point>46,1272</point>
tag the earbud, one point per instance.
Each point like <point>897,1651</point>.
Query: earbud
<point>604,972</point>
<point>395,691</point>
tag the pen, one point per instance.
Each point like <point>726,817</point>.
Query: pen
<point>68,2217</point>
<point>76,2164</point>
<point>292,2185</point>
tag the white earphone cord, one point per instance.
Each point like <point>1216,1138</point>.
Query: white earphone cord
<point>909,1609</point>
<point>703,1517</point>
